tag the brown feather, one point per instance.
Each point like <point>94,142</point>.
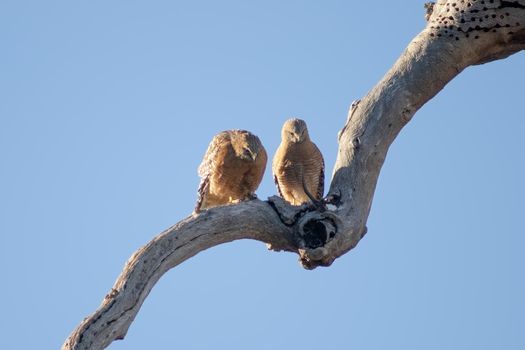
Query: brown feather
<point>231,169</point>
<point>298,165</point>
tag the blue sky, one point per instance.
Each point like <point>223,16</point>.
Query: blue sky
<point>108,107</point>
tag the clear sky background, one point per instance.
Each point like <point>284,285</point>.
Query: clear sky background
<point>107,107</point>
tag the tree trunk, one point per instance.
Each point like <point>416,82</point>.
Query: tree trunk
<point>458,34</point>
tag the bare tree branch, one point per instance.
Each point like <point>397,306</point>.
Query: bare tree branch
<point>458,34</point>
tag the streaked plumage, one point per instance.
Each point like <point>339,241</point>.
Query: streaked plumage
<point>231,170</point>
<point>298,163</point>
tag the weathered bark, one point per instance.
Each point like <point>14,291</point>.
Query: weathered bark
<point>458,34</point>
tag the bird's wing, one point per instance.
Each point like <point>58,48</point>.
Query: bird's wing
<point>201,193</point>
<point>208,165</point>
<point>277,184</point>
<point>320,187</point>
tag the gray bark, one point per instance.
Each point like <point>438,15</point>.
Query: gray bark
<point>458,34</point>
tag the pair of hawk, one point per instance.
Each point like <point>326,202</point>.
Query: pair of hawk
<point>235,160</point>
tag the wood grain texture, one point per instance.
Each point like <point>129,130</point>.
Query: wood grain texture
<point>249,220</point>
<point>453,39</point>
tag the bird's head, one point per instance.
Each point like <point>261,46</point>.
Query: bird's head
<point>247,146</point>
<point>294,130</point>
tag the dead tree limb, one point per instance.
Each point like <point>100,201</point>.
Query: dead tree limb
<point>458,34</point>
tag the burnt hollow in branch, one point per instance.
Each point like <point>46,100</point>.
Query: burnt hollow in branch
<point>316,229</point>
<point>316,233</point>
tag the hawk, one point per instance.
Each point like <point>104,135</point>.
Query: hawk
<point>298,165</point>
<point>231,170</point>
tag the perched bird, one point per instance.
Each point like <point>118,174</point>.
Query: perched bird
<point>298,165</point>
<point>231,170</point>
